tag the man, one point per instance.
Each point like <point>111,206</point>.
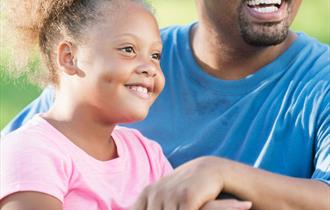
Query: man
<point>242,87</point>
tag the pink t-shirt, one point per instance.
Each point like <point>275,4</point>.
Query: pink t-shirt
<point>37,157</point>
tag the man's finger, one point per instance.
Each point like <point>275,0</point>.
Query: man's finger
<point>227,204</point>
<point>141,203</point>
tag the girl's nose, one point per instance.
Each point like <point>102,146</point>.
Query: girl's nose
<point>148,69</point>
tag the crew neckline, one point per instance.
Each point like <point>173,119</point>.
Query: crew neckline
<point>242,86</point>
<point>76,149</point>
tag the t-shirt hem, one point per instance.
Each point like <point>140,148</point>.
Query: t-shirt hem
<point>327,182</point>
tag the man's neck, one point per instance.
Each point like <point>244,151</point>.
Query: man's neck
<point>230,58</point>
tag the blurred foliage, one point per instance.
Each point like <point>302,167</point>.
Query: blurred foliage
<point>313,19</point>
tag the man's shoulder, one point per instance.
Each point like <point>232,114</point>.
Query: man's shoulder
<point>313,46</point>
<point>312,57</point>
<point>175,31</point>
<point>170,29</point>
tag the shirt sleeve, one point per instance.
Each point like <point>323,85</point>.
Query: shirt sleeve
<point>164,165</point>
<point>322,147</point>
<point>30,164</point>
<point>40,104</point>
<point>158,161</point>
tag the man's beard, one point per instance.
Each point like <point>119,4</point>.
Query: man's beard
<point>263,34</point>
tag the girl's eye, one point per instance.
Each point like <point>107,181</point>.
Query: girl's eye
<point>128,50</point>
<point>156,56</point>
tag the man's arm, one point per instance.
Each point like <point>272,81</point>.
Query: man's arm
<point>199,181</point>
<point>40,104</point>
<point>271,191</point>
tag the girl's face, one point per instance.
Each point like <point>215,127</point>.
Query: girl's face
<point>120,65</point>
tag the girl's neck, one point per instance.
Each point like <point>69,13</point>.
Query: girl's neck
<point>81,127</point>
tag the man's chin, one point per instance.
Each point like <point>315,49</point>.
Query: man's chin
<point>263,40</point>
<point>263,36</point>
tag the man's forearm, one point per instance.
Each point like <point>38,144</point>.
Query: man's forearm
<point>269,191</point>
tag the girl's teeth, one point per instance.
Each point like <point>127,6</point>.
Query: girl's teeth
<point>142,90</point>
<point>139,89</point>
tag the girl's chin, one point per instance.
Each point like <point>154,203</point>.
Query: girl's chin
<point>135,118</point>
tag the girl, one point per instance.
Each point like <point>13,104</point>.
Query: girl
<point>103,58</point>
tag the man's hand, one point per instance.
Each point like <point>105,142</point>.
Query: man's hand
<point>189,187</point>
<point>198,182</point>
<point>227,204</point>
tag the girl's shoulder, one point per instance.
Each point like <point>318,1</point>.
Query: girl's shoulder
<point>134,141</point>
<point>131,135</point>
<point>35,139</point>
<point>131,144</point>
<point>33,161</point>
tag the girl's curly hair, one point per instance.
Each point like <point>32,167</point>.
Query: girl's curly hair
<point>38,25</point>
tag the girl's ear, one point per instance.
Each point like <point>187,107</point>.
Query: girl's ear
<point>66,58</point>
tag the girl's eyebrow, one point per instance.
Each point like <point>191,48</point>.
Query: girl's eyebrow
<point>130,35</point>
<point>119,36</point>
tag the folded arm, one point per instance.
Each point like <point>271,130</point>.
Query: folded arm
<point>194,184</point>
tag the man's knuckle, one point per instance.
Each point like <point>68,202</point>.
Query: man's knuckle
<point>185,195</point>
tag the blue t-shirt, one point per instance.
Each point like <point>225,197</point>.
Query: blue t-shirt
<point>277,119</point>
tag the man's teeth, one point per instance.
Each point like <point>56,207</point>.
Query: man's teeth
<point>265,9</point>
<point>139,89</point>
<point>259,2</point>
<point>264,6</point>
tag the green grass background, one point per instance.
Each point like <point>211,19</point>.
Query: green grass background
<point>313,19</point>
